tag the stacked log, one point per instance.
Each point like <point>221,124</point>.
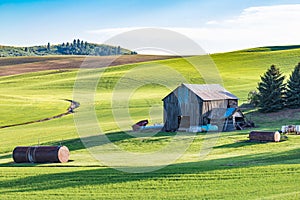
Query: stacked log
<point>264,136</point>
<point>41,154</point>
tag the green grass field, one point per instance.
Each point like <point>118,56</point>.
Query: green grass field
<point>233,169</point>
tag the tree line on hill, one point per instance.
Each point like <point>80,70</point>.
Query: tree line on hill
<point>77,47</point>
<point>273,94</point>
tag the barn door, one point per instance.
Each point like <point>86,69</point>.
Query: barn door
<point>184,121</point>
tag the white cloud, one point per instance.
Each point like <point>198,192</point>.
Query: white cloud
<point>212,22</point>
<point>110,32</point>
<point>255,26</point>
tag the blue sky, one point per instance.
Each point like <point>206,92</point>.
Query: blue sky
<point>32,22</point>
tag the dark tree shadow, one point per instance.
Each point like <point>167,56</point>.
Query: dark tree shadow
<point>103,175</point>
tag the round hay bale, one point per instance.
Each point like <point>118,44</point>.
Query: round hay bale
<point>41,154</point>
<point>277,136</point>
<point>63,154</point>
<point>264,136</point>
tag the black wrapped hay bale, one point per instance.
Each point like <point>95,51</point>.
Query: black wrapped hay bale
<point>264,136</point>
<point>41,154</point>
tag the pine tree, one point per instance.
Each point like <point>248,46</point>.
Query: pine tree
<point>78,43</point>
<point>293,89</point>
<point>271,90</point>
<point>118,50</point>
<point>74,43</point>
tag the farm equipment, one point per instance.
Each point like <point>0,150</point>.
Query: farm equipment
<point>137,126</point>
<point>291,129</point>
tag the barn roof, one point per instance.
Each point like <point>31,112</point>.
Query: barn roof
<point>210,91</point>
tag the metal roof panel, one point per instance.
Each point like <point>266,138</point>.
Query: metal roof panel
<point>210,91</point>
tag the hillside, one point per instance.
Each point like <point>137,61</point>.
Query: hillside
<point>33,88</point>
<point>46,80</point>
<point>271,48</point>
<point>77,47</point>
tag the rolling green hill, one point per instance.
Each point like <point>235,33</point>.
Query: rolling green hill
<point>233,169</point>
<point>271,48</point>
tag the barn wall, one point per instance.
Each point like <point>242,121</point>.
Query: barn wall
<point>189,105</point>
<point>171,111</point>
<point>209,105</point>
<point>182,102</point>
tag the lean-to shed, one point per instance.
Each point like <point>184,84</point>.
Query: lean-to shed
<point>227,119</point>
<point>191,104</point>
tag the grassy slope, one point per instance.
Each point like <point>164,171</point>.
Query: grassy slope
<point>241,70</point>
<point>269,170</point>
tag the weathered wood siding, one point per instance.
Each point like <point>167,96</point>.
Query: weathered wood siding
<point>181,102</point>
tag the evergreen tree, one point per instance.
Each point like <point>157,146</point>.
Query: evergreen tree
<point>118,50</point>
<point>108,51</point>
<point>293,89</point>
<point>74,43</point>
<point>271,90</point>
<point>78,43</point>
<point>48,46</point>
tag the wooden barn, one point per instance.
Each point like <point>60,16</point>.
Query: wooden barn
<point>191,105</point>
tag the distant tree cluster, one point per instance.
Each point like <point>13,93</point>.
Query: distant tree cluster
<point>273,94</point>
<point>77,47</point>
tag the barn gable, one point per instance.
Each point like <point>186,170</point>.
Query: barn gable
<point>190,104</point>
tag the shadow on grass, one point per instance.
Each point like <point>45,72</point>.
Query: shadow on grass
<point>242,143</point>
<point>96,140</point>
<point>101,176</point>
<point>77,144</point>
<point>113,137</point>
<point>6,156</point>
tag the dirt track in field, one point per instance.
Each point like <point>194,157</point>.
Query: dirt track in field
<point>70,110</point>
<point>21,65</point>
